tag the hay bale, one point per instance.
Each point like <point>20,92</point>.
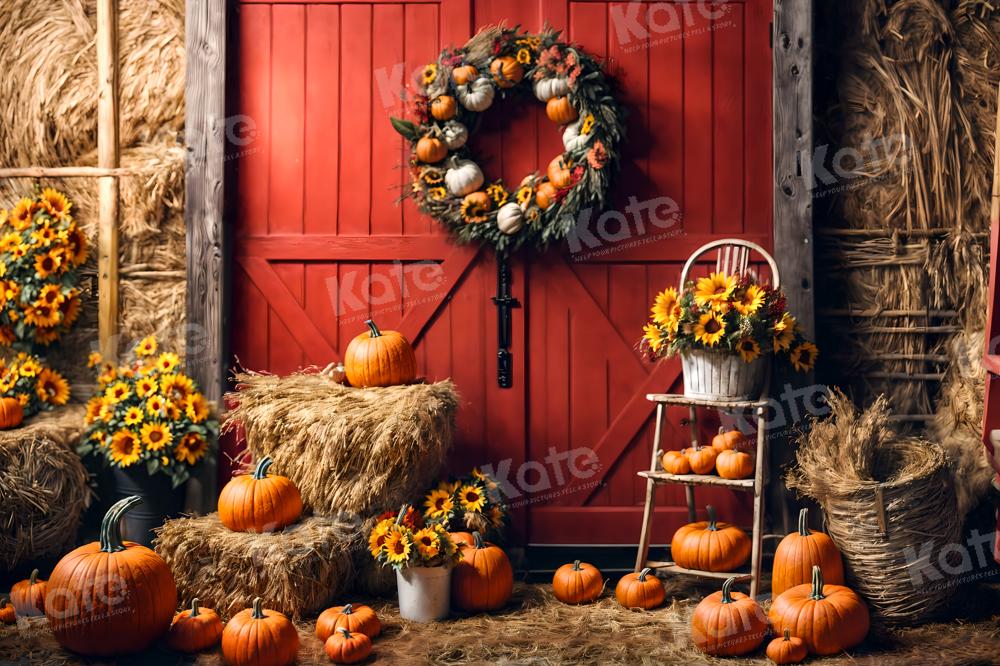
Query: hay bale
<point>43,489</point>
<point>298,570</point>
<point>886,498</point>
<point>347,449</point>
<point>63,426</point>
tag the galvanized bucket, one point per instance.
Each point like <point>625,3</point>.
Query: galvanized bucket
<point>722,376</point>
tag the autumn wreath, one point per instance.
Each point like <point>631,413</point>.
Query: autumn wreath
<point>448,183</point>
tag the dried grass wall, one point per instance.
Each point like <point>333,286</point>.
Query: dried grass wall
<point>48,117</point>
<point>911,87</point>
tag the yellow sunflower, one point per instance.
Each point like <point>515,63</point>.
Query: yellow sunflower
<point>524,56</point>
<point>108,374</point>
<point>449,486</point>
<point>428,543</point>
<point>50,294</point>
<point>101,438</point>
<point>146,346</point>
<point>55,202</point>
<point>475,207</point>
<point>748,349</point>
<point>43,236</point>
<point>709,329</point>
<point>438,504</point>
<point>397,546</point>
<point>133,416</point>
<point>46,264</point>
<point>145,386</point>
<point>125,449</point>
<point>524,194</point>
<point>21,215</point>
<point>750,300</point>
<point>29,368</point>
<point>498,194</point>
<point>714,289</point>
<point>42,315</point>
<point>117,392</point>
<point>496,517</point>
<point>191,448</point>
<point>666,307</point>
<point>471,498</point>
<point>23,398</point>
<point>93,409</point>
<point>376,540</point>
<point>176,386</point>
<point>437,193</point>
<point>588,124</point>
<point>156,405</point>
<point>77,245</point>
<point>52,388</point>
<point>653,337</point>
<point>155,436</point>
<point>784,332</point>
<point>167,362</point>
<point>429,75</point>
<point>9,241</point>
<point>803,357</point>
<point>70,309</point>
<point>196,407</point>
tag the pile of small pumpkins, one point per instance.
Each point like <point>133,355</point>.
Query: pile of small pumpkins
<point>730,455</point>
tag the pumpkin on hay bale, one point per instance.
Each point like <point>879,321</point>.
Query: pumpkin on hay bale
<point>299,570</point>
<point>346,449</point>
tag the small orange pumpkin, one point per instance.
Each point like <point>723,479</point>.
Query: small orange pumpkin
<point>11,413</point>
<point>379,358</point>
<point>507,72</point>
<point>483,580</point>
<point>558,172</point>
<point>546,195</point>
<point>828,618</point>
<point>464,74</point>
<point>560,111</point>
<point>675,462</point>
<point>195,629</point>
<point>259,502</point>
<point>462,539</point>
<point>640,590</point>
<point>260,636</point>
<point>734,464</point>
<point>701,458</point>
<point>787,649</point>
<point>347,647</point>
<point>710,545</point>
<point>443,107</point>
<point>28,596</point>
<point>7,613</point>
<point>577,583</point>
<point>431,149</point>
<point>358,619</point>
<point>477,204</point>
<point>727,623</point>
<point>799,552</point>
<point>728,439</point>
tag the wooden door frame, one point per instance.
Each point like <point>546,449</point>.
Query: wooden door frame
<point>205,135</point>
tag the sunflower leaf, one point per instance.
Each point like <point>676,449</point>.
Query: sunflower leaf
<point>407,129</point>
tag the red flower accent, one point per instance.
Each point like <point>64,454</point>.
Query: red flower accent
<point>597,156</point>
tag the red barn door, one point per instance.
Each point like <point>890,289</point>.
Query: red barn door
<point>320,242</point>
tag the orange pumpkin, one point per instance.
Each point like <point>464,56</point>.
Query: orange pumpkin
<point>701,458</point>
<point>195,629</point>
<point>728,439</point>
<point>28,596</point>
<point>483,580</point>
<point>560,111</point>
<point>85,618</point>
<point>799,552</point>
<point>380,358</point>
<point>477,204</point>
<point>640,590</point>
<point>358,619</point>
<point>828,618</point>
<point>7,613</point>
<point>675,462</point>
<point>462,539</point>
<point>727,623</point>
<point>546,195</point>
<point>558,172</point>
<point>443,107</point>
<point>431,149</point>
<point>507,72</point>
<point>577,583</point>
<point>734,464</point>
<point>11,413</point>
<point>259,502</point>
<point>787,649</point>
<point>710,545</point>
<point>258,636</point>
<point>347,647</point>
<point>464,74</point>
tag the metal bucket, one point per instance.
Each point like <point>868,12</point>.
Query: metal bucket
<point>722,376</point>
<point>160,501</point>
<point>424,593</point>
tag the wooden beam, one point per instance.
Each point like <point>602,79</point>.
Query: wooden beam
<point>67,172</point>
<point>108,156</point>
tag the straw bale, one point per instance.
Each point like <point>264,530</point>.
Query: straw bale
<point>298,570</point>
<point>43,489</point>
<point>62,426</point>
<point>347,449</point>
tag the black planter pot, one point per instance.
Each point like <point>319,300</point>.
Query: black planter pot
<point>160,501</point>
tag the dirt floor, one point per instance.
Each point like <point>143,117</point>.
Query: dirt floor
<point>537,629</point>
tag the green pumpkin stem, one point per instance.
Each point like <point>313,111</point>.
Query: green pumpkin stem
<point>347,610</point>
<point>258,611</point>
<point>576,565</point>
<point>33,577</point>
<point>817,580</point>
<point>261,471</point>
<point>478,538</point>
<point>788,635</point>
<point>803,519</point>
<point>111,526</point>
<point>710,510</point>
<point>727,590</point>
<point>345,631</point>
<point>643,574</point>
<point>195,612</point>
<point>4,600</point>
<point>373,328</point>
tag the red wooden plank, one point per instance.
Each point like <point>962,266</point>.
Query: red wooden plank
<point>356,78</point>
<point>387,181</point>
<point>698,151</point>
<point>286,354</point>
<point>422,46</point>
<point>631,59</point>
<point>727,46</point>
<point>320,280</point>
<point>287,98</point>
<point>456,22</point>
<point>255,107</point>
<point>666,112</point>
<point>421,313</point>
<point>322,119</point>
<point>319,247</point>
<point>757,127</point>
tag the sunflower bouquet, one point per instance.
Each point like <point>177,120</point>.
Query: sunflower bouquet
<point>402,539</point>
<point>41,250</point>
<point>727,313</point>
<point>473,502</point>
<point>148,412</point>
<point>35,386</point>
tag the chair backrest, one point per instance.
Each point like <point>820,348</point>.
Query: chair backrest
<point>733,258</point>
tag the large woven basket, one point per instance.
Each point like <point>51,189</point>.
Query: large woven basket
<point>722,376</point>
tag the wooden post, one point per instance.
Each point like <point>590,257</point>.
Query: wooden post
<point>108,156</point>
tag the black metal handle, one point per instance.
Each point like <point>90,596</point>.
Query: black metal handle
<point>505,303</point>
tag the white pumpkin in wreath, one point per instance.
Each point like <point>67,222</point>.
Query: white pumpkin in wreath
<point>572,139</point>
<point>554,86</point>
<point>477,96</point>
<point>510,218</point>
<point>464,177</point>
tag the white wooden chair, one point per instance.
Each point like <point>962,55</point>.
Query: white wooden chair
<point>733,258</point>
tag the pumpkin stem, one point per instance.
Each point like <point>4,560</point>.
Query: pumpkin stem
<point>345,631</point>
<point>803,517</point>
<point>788,635</point>
<point>373,328</point>
<point>111,528</point>
<point>478,538</point>
<point>711,517</point>
<point>402,514</point>
<point>727,589</point>
<point>33,577</point>
<point>722,431</point>
<point>643,574</point>
<point>347,610</point>
<point>261,471</point>
<point>258,611</point>
<point>4,600</point>
<point>195,612</point>
<point>576,565</point>
<point>817,580</point>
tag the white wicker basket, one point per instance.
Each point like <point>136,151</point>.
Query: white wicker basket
<point>722,376</point>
